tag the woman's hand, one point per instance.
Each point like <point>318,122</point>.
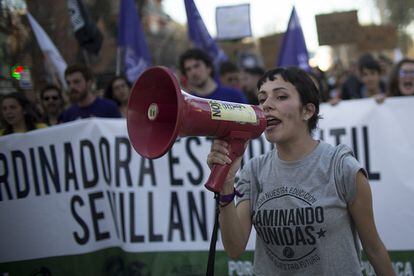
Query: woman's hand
<point>219,155</point>
<point>379,98</point>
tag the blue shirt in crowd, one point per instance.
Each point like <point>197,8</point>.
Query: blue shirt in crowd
<point>228,94</point>
<point>101,107</point>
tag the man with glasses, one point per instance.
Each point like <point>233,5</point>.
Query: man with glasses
<point>52,104</point>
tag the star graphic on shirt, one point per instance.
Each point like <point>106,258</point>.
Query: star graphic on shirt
<point>321,233</point>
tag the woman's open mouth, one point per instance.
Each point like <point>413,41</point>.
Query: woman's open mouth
<point>408,84</point>
<point>272,121</point>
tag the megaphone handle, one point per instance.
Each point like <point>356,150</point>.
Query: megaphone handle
<point>219,173</point>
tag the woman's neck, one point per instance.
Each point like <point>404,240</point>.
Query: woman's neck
<point>20,127</point>
<point>123,109</point>
<point>296,149</point>
<point>53,120</point>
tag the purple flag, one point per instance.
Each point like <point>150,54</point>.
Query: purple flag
<point>199,35</point>
<point>131,40</point>
<point>293,51</point>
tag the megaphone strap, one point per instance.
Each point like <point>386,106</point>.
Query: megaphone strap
<point>213,241</point>
<point>226,199</point>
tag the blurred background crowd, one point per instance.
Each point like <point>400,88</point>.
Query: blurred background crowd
<point>64,60</point>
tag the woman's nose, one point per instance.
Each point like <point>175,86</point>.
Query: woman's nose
<point>266,105</point>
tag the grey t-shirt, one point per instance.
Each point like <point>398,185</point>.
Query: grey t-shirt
<point>299,211</point>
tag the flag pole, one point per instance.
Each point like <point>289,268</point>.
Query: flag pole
<point>118,61</point>
<point>85,57</point>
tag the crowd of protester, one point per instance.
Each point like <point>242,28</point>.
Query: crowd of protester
<point>371,76</point>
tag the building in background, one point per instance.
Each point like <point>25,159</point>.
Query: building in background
<point>166,38</point>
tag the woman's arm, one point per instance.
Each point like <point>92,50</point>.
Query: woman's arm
<point>362,214</point>
<point>235,227</point>
<point>235,222</point>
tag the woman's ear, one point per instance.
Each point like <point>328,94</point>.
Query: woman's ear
<point>308,111</point>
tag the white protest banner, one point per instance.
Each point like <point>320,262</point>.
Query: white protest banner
<point>381,137</point>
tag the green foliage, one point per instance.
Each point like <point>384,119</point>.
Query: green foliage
<point>401,12</point>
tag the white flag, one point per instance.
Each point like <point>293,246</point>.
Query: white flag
<point>49,49</point>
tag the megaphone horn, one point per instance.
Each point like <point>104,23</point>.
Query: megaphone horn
<point>158,112</point>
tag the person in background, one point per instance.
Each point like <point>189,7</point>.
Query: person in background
<point>79,79</point>
<point>52,103</point>
<point>370,74</point>
<point>118,90</point>
<point>366,83</point>
<point>401,80</point>
<point>336,83</point>
<point>18,114</point>
<point>319,77</point>
<point>197,68</point>
<point>352,85</point>
<point>310,202</point>
<point>249,78</point>
<point>386,67</point>
<point>32,96</point>
<point>230,75</point>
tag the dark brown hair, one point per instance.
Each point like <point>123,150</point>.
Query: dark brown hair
<point>109,92</point>
<point>82,68</point>
<point>196,54</point>
<point>306,88</point>
<point>30,117</point>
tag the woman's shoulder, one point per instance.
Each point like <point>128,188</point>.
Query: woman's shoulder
<point>338,150</point>
<point>339,157</point>
<point>342,150</point>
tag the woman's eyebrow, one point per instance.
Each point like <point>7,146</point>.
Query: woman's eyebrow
<point>273,90</point>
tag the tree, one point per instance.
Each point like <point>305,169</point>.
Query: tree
<point>401,14</point>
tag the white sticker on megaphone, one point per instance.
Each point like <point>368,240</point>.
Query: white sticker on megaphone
<point>227,111</point>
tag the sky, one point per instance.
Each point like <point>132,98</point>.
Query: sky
<point>270,16</point>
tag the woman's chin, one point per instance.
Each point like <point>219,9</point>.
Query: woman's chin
<point>272,137</point>
<point>407,92</point>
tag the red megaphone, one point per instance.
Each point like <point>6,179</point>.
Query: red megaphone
<point>158,112</point>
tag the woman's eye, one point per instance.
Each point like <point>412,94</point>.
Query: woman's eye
<point>261,101</point>
<point>282,98</point>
